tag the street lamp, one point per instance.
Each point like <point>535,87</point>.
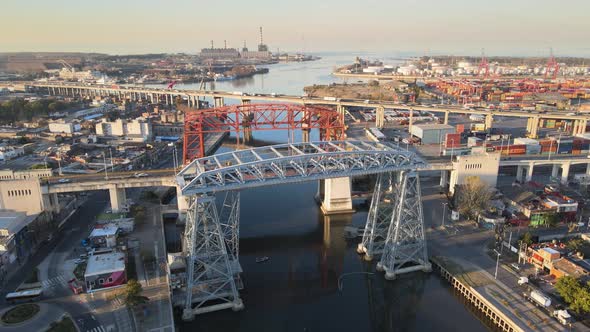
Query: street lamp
<point>174,155</point>
<point>452,148</point>
<point>497,263</point>
<point>444,204</point>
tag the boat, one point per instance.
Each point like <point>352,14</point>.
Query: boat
<point>221,78</point>
<point>262,259</point>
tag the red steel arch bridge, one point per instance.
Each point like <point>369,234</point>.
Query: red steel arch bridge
<point>394,229</point>
<point>245,118</point>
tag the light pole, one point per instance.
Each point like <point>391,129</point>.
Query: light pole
<point>497,263</point>
<point>444,204</point>
<point>104,158</point>
<point>112,166</point>
<point>174,158</point>
<point>452,148</point>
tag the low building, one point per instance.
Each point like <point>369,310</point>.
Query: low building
<point>10,152</point>
<point>64,127</point>
<point>105,271</point>
<point>564,267</point>
<point>431,133</point>
<point>543,258</point>
<point>15,242</point>
<point>104,237</point>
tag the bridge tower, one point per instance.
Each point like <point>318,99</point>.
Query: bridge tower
<point>210,283</point>
<point>395,225</point>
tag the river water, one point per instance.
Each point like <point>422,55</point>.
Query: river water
<point>297,289</point>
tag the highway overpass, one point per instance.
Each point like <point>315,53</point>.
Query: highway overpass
<point>192,96</point>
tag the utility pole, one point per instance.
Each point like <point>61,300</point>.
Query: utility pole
<point>497,264</point>
<point>104,158</point>
<point>444,204</point>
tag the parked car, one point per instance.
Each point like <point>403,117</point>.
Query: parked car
<point>141,175</point>
<point>63,180</point>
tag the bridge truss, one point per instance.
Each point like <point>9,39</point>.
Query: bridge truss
<point>245,118</point>
<point>394,228</point>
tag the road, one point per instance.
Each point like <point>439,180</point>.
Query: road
<point>468,243</point>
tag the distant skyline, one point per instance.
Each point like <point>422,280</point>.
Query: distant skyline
<point>462,27</point>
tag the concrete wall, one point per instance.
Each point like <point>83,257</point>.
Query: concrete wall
<point>484,166</point>
<point>21,195</point>
<point>8,174</point>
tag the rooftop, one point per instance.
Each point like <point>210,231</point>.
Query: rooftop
<point>105,263</point>
<point>433,126</point>
<point>104,231</point>
<point>569,268</point>
<point>12,222</point>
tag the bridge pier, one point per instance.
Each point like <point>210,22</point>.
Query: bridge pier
<point>565,172</point>
<point>380,117</point>
<point>533,127</point>
<point>51,202</point>
<point>529,172</point>
<point>555,171</point>
<point>218,102</point>
<point>182,202</point>
<point>446,121</point>
<point>118,198</point>
<point>489,121</point>
<point>336,196</point>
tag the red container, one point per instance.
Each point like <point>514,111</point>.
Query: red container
<point>452,140</point>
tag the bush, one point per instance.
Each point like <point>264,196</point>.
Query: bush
<point>20,313</point>
<point>64,325</point>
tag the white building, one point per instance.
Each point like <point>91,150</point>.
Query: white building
<point>138,128</point>
<point>484,166</point>
<point>10,152</point>
<point>64,127</point>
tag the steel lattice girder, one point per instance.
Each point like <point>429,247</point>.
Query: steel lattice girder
<point>291,163</point>
<point>258,117</point>
<point>406,243</point>
<point>209,274</point>
<point>385,198</point>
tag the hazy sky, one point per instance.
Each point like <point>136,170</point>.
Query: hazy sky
<point>426,26</point>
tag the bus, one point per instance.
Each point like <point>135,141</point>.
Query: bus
<point>29,295</point>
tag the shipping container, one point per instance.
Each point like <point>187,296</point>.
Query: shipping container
<point>533,149</point>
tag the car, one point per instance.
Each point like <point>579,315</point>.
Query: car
<point>140,175</point>
<point>79,261</point>
<point>63,180</point>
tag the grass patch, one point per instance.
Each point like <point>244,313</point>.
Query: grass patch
<point>79,271</point>
<point>64,325</point>
<point>20,313</point>
<point>110,216</point>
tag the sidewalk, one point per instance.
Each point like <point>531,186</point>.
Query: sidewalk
<point>156,315</point>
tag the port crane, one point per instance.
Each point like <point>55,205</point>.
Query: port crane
<point>171,85</point>
<point>552,66</point>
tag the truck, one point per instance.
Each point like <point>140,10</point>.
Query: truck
<point>562,316</point>
<point>330,98</point>
<point>237,93</point>
<point>539,299</point>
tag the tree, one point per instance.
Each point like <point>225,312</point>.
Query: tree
<point>574,293</point>
<point>133,292</point>
<point>473,198</point>
<point>527,238</point>
<point>417,91</point>
<point>373,83</point>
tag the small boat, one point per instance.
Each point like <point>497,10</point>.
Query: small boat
<point>262,259</point>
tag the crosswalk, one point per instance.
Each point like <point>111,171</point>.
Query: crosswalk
<point>97,329</point>
<point>55,281</point>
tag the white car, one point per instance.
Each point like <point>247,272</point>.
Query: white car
<point>140,175</point>
<point>63,180</point>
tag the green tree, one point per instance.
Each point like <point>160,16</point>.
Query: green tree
<point>473,198</point>
<point>527,238</point>
<point>574,293</point>
<point>575,244</point>
<point>133,292</point>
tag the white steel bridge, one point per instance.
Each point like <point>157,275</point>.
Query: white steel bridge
<point>394,228</point>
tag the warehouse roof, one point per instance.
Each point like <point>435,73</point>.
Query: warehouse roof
<point>433,126</point>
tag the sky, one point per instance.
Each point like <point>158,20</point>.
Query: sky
<point>501,27</point>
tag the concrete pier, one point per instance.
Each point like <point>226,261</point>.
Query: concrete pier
<point>336,196</point>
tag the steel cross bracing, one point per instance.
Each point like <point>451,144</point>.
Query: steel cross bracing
<point>291,163</point>
<point>212,240</point>
<point>209,272</point>
<point>383,202</point>
<point>405,246</point>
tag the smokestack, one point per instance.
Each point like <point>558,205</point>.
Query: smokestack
<point>224,43</point>
<point>211,43</point>
<point>261,36</point>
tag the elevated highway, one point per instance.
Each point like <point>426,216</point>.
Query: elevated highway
<point>192,97</point>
